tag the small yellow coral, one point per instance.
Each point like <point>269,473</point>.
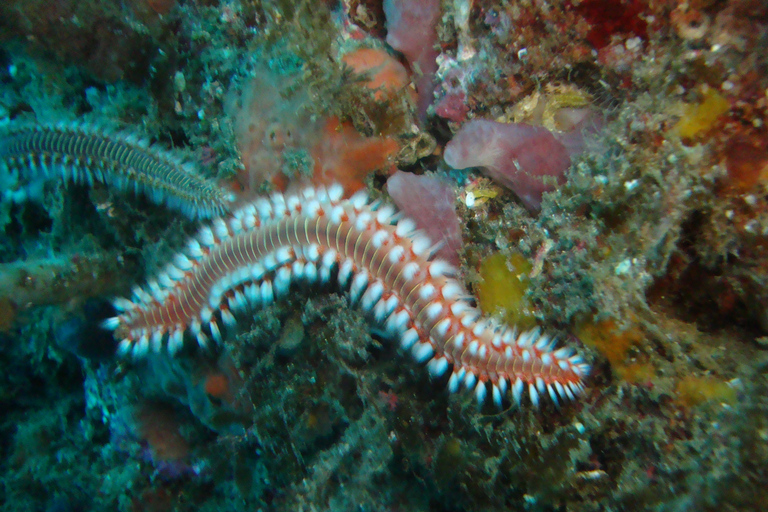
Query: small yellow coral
<point>701,117</point>
<point>502,290</point>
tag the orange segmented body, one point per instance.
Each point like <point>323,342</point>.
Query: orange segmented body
<point>253,256</point>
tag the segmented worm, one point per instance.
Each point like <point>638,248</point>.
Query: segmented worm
<point>253,256</point>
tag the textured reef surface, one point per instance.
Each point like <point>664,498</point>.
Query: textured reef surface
<point>591,173</point>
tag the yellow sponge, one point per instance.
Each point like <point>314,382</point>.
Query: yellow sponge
<point>504,282</point>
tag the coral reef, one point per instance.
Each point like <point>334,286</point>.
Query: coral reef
<point>647,254</point>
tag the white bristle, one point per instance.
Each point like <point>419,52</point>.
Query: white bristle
<point>335,193</point>
<point>437,366</point>
<point>405,227</point>
<point>409,338</point>
<point>423,352</point>
<point>496,394</point>
<point>480,392</point>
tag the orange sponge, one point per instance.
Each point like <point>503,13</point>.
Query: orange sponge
<point>385,74</point>
<point>346,157</point>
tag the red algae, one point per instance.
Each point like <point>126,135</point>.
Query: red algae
<point>453,107</point>
<point>746,160</point>
<point>161,6</point>
<point>609,18</point>
<point>282,144</point>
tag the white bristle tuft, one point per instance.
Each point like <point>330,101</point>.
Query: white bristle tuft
<point>372,295</point>
<point>437,366</point>
<point>121,304</point>
<point>282,281</point>
<point>440,268</point>
<point>421,245</point>
<point>220,229</point>
<point>111,323</point>
<point>405,227</point>
<point>496,394</point>
<point>267,293</point>
<point>183,262</point>
<point>228,318</point>
<point>359,283</point>
<point>359,200</point>
<point>409,338</point>
<point>457,377</point>
<point>517,391</point>
<point>480,392</point>
<point>423,352</point>
<point>533,394</point>
<point>345,272</point>
<point>335,193</point>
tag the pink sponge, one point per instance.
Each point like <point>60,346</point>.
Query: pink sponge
<point>429,201</point>
<point>527,159</point>
<point>411,29</point>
